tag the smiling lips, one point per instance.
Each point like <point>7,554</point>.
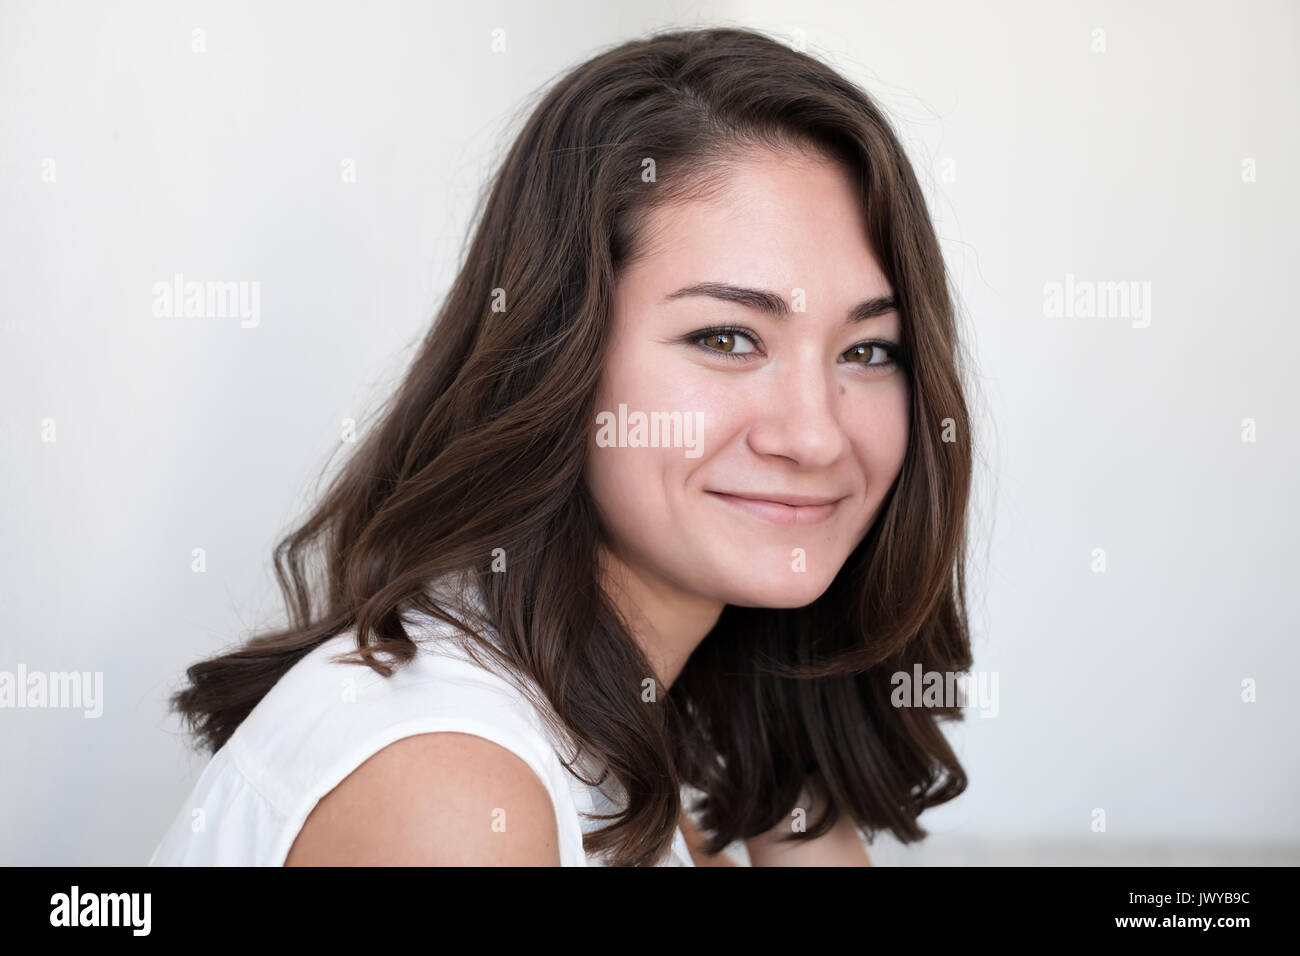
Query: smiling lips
<point>782,509</point>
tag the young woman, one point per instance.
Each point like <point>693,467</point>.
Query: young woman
<point>676,482</point>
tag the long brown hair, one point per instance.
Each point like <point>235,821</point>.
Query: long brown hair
<point>483,448</point>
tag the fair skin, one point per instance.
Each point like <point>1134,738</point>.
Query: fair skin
<point>799,411</point>
<point>426,787</point>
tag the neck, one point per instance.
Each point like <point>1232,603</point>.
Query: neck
<point>667,621</point>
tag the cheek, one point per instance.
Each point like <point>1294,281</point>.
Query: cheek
<point>879,426</point>
<point>637,492</point>
<point>632,368</point>
<point>633,485</point>
<point>658,380</point>
<point>630,479</point>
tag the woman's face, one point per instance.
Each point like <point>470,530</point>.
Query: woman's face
<point>794,404</point>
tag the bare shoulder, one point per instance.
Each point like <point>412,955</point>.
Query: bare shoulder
<point>434,799</point>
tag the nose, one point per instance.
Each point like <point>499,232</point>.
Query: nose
<point>799,415</point>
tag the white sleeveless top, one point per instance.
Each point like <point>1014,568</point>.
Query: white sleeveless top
<point>323,719</point>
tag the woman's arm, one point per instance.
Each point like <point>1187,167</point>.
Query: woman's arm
<point>840,846</point>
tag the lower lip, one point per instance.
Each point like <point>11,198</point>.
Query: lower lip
<point>778,513</point>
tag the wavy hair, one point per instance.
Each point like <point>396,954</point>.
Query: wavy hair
<point>483,446</point>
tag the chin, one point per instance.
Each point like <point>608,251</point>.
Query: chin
<point>788,590</point>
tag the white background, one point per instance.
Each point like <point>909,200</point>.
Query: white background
<point>1118,690</point>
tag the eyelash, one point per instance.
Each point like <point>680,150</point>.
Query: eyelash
<point>897,356</point>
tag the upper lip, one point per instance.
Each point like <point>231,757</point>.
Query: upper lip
<point>795,501</point>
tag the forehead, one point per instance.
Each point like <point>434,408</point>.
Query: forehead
<point>776,220</point>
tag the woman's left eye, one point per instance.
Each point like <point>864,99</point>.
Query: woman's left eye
<point>866,348</point>
<point>723,342</point>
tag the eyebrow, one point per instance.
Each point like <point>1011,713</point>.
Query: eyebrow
<point>773,305</point>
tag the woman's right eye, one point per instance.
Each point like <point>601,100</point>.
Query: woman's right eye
<point>725,342</point>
